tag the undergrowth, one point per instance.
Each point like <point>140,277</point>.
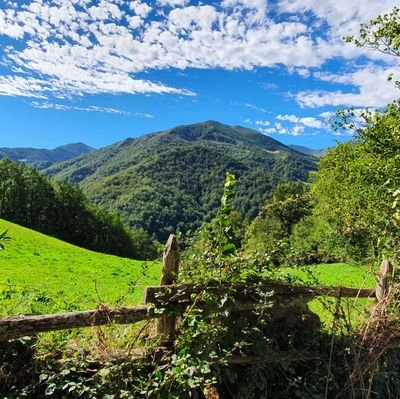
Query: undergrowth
<point>224,348</point>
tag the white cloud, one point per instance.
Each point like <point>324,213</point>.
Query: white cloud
<point>305,121</point>
<point>268,131</point>
<point>173,3</point>
<point>144,115</point>
<point>263,123</point>
<point>140,9</point>
<point>91,108</point>
<point>373,89</point>
<point>327,114</point>
<point>69,48</point>
<point>296,130</point>
<point>257,108</point>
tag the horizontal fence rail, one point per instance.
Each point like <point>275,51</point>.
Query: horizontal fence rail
<point>19,326</point>
<point>249,292</point>
<point>175,297</point>
<point>168,300</point>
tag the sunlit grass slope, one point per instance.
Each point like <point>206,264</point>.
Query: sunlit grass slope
<point>335,274</point>
<point>355,310</point>
<point>40,274</point>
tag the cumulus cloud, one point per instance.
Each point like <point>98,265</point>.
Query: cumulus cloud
<point>173,3</point>
<point>305,121</point>
<point>72,48</point>
<point>373,89</point>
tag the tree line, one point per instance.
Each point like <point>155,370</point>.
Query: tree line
<point>61,210</point>
<point>350,210</point>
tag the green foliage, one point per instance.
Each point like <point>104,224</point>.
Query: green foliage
<point>172,181</point>
<point>269,233</point>
<point>59,209</point>
<point>315,239</point>
<point>356,187</point>
<point>212,332</point>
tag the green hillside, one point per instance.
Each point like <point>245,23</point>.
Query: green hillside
<point>172,181</point>
<point>40,274</point>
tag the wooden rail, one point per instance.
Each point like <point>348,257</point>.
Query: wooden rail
<point>175,299</point>
<point>250,292</point>
<point>19,326</point>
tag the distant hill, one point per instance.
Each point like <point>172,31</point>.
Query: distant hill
<point>307,151</point>
<point>43,158</point>
<point>173,180</point>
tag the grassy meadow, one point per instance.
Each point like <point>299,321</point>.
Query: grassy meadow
<point>354,310</point>
<point>40,274</point>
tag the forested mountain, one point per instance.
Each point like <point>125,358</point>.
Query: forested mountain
<point>42,158</point>
<point>172,180</point>
<point>307,151</point>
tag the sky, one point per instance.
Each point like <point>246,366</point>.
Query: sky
<point>101,71</point>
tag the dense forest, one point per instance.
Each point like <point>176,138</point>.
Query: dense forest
<point>172,181</point>
<point>32,200</point>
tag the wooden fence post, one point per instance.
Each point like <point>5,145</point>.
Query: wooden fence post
<point>166,325</point>
<point>384,280</point>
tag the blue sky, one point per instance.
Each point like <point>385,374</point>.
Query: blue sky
<point>100,71</point>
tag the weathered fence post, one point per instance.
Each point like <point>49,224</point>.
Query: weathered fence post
<point>166,325</point>
<point>384,280</point>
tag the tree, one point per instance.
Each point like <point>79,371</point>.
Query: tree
<point>357,188</point>
<point>62,210</point>
<point>381,34</point>
<point>274,224</point>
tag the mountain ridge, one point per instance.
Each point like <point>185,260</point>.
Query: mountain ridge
<point>42,158</point>
<point>172,180</point>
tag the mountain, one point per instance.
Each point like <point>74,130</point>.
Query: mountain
<point>43,158</point>
<point>307,151</point>
<point>173,180</point>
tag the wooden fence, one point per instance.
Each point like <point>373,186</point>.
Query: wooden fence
<point>176,298</point>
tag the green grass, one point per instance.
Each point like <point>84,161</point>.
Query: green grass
<point>354,310</point>
<point>335,274</point>
<point>40,274</point>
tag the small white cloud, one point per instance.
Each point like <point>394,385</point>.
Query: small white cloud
<point>143,115</point>
<point>263,123</point>
<point>173,3</point>
<point>268,131</point>
<point>91,108</point>
<point>257,108</point>
<point>327,114</point>
<point>140,9</point>
<point>308,121</point>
